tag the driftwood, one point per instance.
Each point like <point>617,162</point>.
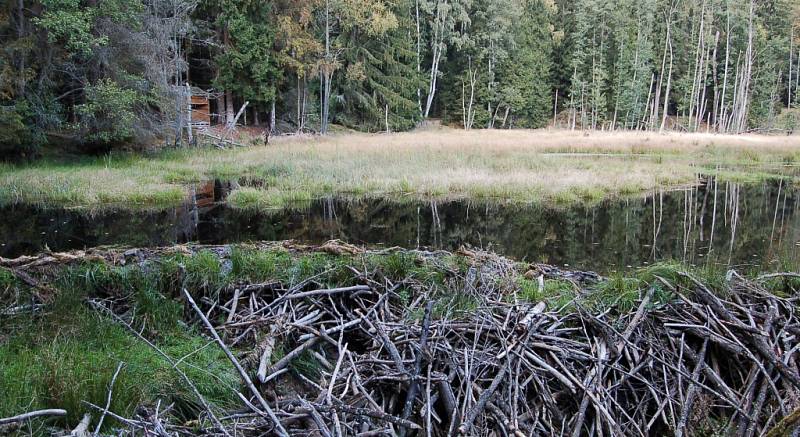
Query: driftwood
<point>53,412</point>
<point>362,360</point>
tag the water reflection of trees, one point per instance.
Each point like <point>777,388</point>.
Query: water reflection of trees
<point>719,221</point>
<point>724,222</point>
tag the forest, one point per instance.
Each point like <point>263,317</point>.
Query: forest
<point>102,74</point>
<point>374,218</point>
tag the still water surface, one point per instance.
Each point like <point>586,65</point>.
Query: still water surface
<point>720,222</point>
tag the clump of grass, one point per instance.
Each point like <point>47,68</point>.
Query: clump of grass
<point>199,271</point>
<point>307,365</point>
<point>557,293</point>
<point>257,265</point>
<point>451,305</point>
<point>7,281</point>
<point>55,361</point>
<point>619,291</point>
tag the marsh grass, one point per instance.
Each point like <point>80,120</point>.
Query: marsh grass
<point>68,355</point>
<point>621,291</point>
<point>520,165</point>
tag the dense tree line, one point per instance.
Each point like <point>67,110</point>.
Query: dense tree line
<point>106,72</point>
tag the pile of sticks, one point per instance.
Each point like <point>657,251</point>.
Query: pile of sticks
<point>383,357</point>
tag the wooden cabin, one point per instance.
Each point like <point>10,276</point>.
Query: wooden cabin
<point>199,109</point>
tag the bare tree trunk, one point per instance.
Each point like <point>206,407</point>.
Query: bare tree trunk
<point>797,77</point>
<point>698,60</point>
<point>789,80</point>
<point>555,109</point>
<point>671,61</point>
<point>713,113</point>
<point>419,55</point>
<point>299,121</point>
<point>228,108</point>
<point>644,120</point>
<point>616,94</point>
<point>468,105</point>
<point>272,118</point>
<point>188,103</point>
<point>633,79</point>
<point>657,98</point>
<point>183,106</point>
<point>326,74</point>
<point>666,92</point>
<point>490,85</point>
<point>438,46</point>
<point>572,101</point>
<point>744,88</point>
<point>304,104</point>
<point>722,110</point>
<point>729,118</point>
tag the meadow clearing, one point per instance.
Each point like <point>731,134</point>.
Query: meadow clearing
<point>519,165</point>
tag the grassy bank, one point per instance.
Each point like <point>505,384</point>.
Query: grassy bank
<point>64,353</point>
<point>520,165</point>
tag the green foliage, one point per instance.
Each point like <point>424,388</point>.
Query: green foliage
<point>527,85</point>
<point>66,355</point>
<point>789,119</point>
<point>258,265</point>
<point>75,22</point>
<point>246,64</point>
<point>110,67</point>
<point>71,22</point>
<point>18,134</point>
<point>110,112</point>
<point>379,74</point>
<point>400,265</point>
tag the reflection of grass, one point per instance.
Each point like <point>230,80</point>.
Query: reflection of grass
<point>519,165</point>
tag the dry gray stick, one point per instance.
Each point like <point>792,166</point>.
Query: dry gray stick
<point>83,427</point>
<point>32,415</point>
<point>322,292</point>
<point>482,400</point>
<point>423,342</point>
<point>108,399</point>
<point>691,391</point>
<point>236,364</point>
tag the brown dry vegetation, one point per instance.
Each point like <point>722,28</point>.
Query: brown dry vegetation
<point>520,165</point>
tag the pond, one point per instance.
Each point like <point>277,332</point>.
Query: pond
<point>720,222</point>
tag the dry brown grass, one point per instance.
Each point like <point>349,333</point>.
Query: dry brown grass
<point>521,165</point>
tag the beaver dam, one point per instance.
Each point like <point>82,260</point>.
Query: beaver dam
<point>334,340</point>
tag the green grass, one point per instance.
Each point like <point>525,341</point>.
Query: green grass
<point>559,294</point>
<point>68,354</point>
<point>518,165</point>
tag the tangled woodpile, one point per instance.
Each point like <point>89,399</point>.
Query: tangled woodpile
<point>383,357</point>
